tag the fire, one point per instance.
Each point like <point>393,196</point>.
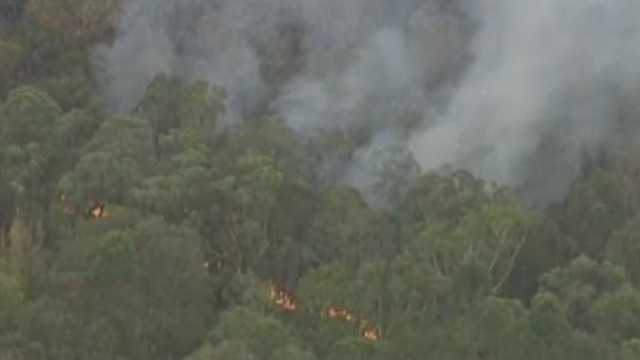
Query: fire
<point>370,331</point>
<point>98,211</point>
<point>335,312</point>
<point>283,299</point>
<point>286,301</point>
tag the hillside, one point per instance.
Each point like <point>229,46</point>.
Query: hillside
<point>319,179</point>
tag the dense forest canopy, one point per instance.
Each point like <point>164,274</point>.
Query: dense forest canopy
<point>319,179</point>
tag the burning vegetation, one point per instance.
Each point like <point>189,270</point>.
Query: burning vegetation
<point>370,331</point>
<point>283,299</point>
<point>287,302</point>
<point>98,211</point>
<point>335,312</point>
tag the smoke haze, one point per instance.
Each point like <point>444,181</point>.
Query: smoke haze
<point>514,91</point>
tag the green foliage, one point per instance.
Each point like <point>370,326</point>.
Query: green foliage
<point>624,248</point>
<point>11,55</point>
<point>231,242</point>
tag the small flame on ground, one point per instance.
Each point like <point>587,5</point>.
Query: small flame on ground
<point>335,312</point>
<point>286,301</point>
<point>283,299</point>
<point>98,211</point>
<point>370,331</point>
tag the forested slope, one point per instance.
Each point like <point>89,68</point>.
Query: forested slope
<point>167,232</point>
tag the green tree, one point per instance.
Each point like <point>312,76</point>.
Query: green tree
<point>595,208</point>
<point>125,264</point>
<point>349,230</point>
<point>114,160</point>
<point>247,199</point>
<point>27,119</point>
<point>11,56</point>
<point>623,248</point>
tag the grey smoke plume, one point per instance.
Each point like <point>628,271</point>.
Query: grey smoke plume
<point>515,91</point>
<point>542,89</point>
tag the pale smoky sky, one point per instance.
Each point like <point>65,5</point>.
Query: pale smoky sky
<point>513,90</point>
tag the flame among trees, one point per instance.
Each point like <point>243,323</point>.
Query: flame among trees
<point>98,209</point>
<point>288,302</point>
<point>283,299</point>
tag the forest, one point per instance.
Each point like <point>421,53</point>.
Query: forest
<point>170,230</point>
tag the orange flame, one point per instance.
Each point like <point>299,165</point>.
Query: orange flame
<point>335,312</point>
<point>370,331</point>
<point>98,211</point>
<point>283,300</point>
<point>287,302</point>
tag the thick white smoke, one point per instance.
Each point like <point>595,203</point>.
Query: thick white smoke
<point>545,74</point>
<point>513,90</point>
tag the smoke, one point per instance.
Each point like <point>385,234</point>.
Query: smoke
<point>542,89</point>
<point>515,91</point>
